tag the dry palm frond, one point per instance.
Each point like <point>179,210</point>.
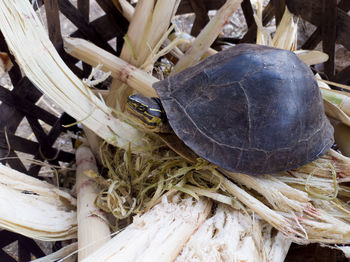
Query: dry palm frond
<point>35,208</point>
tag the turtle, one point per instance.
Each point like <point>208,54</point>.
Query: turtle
<point>250,109</point>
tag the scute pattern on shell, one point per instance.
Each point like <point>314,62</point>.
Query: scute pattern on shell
<point>250,109</point>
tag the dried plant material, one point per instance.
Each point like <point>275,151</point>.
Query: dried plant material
<point>126,73</point>
<point>147,28</point>
<point>279,195</point>
<point>311,57</point>
<point>93,229</point>
<point>64,253</point>
<point>163,12</point>
<point>35,208</point>
<point>317,206</point>
<point>338,98</point>
<point>125,8</point>
<point>5,63</point>
<point>342,138</point>
<point>184,42</point>
<point>158,235</point>
<point>135,183</point>
<point>273,217</point>
<point>207,36</point>
<point>148,25</point>
<point>297,209</point>
<point>230,235</point>
<point>336,84</point>
<point>286,33</point>
<point>137,32</point>
<point>128,11</point>
<point>263,36</point>
<point>36,55</point>
<point>345,249</point>
<point>335,112</point>
<point>336,104</point>
<point>285,36</point>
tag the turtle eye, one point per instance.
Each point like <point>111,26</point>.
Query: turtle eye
<point>142,108</point>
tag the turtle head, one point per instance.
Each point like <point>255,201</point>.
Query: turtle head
<point>148,110</point>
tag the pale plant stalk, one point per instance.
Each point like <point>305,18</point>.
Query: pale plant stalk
<point>338,98</point>
<point>94,143</point>
<point>286,33</point>
<point>133,77</point>
<point>149,23</point>
<point>207,36</point>
<point>271,216</point>
<point>37,57</point>
<point>125,8</point>
<point>93,229</point>
<point>311,57</point>
<point>128,11</point>
<point>162,14</point>
<point>336,84</point>
<point>137,32</point>
<point>157,235</point>
<point>37,209</point>
<point>335,112</point>
<point>317,217</point>
<point>232,235</point>
<point>121,70</point>
<point>342,137</point>
<point>212,195</point>
<point>345,249</point>
<point>67,252</point>
<point>336,103</point>
<point>286,38</point>
<point>278,194</point>
<point>324,228</point>
<point>263,35</point>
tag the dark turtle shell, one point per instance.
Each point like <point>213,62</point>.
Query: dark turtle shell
<point>250,109</point>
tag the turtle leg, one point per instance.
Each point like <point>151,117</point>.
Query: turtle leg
<point>176,144</point>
